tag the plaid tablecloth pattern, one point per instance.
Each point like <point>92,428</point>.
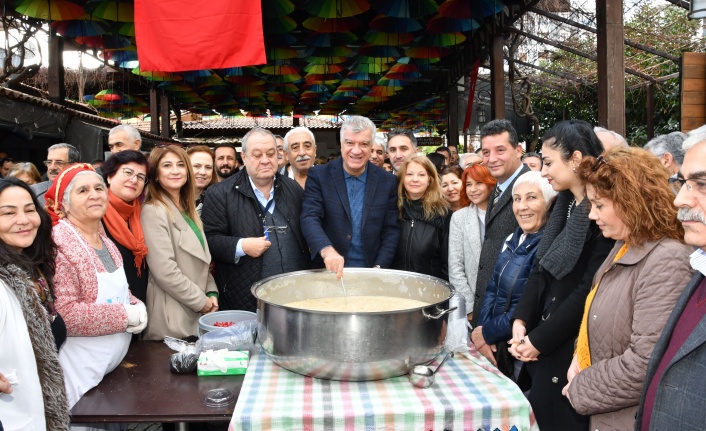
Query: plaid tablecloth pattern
<point>468,395</point>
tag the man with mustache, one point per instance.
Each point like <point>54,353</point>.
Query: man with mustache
<point>300,148</point>
<point>59,157</point>
<point>251,221</point>
<point>673,396</point>
<point>226,161</point>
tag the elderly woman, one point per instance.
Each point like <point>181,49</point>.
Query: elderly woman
<point>202,161</point>
<point>424,220</point>
<point>126,175</point>
<point>451,185</point>
<point>26,172</point>
<point>467,231</point>
<point>547,318</point>
<point>180,286</point>
<point>635,288</point>
<point>28,356</point>
<point>531,197</point>
<point>91,288</point>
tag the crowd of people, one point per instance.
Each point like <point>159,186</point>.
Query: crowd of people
<point>581,268</point>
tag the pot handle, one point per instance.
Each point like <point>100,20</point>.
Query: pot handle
<point>440,314</point>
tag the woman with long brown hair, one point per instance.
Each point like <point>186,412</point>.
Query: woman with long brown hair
<point>634,290</point>
<point>180,286</point>
<point>424,220</point>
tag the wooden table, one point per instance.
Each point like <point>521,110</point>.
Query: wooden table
<point>143,389</point>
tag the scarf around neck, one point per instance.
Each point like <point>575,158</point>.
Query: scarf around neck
<point>563,240</point>
<point>117,218</point>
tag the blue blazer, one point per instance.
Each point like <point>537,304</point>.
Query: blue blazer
<point>326,214</point>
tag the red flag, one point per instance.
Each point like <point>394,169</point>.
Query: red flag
<point>180,35</point>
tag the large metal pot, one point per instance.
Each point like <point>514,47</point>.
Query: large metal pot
<point>351,346</point>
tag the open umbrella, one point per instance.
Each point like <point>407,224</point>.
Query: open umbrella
<point>427,52</point>
<point>75,28</point>
<point>109,95</point>
<point>440,24</point>
<point>330,39</point>
<point>280,25</point>
<point>394,25</point>
<point>327,60</point>
<point>124,28</point>
<point>278,9</point>
<point>385,52</point>
<point>281,53</point>
<point>52,10</point>
<point>442,39</point>
<point>336,8</point>
<point>382,38</point>
<point>112,10</point>
<point>282,69</point>
<point>324,68</point>
<point>330,25</point>
<point>156,76</point>
<point>407,8</point>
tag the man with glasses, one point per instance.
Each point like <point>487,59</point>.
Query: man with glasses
<point>59,157</point>
<point>251,221</point>
<point>673,395</point>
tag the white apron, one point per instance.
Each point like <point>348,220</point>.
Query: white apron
<point>86,360</point>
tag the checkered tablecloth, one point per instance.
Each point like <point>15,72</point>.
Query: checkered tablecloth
<point>467,395</point>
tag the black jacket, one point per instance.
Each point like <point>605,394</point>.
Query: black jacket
<point>424,244</point>
<point>230,212</point>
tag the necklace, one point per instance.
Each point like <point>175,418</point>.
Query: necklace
<point>571,208</point>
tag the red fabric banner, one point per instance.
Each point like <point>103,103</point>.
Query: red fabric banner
<point>181,35</point>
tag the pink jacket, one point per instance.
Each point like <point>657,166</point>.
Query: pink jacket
<point>76,287</point>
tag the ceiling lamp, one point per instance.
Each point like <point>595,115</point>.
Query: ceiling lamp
<point>697,9</point>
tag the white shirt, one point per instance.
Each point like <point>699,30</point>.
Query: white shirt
<point>698,261</point>
<point>23,409</point>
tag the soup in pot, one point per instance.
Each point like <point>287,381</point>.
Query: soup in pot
<point>358,304</point>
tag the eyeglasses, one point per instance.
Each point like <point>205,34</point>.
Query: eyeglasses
<point>277,229</point>
<point>59,163</point>
<point>697,186</point>
<point>600,160</point>
<point>129,173</point>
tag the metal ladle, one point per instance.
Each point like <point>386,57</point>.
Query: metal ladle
<point>422,376</point>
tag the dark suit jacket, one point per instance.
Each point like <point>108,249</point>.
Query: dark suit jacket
<point>326,214</point>
<point>680,402</point>
<point>500,222</point>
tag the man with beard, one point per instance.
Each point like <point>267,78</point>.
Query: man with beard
<point>673,396</point>
<point>251,221</point>
<point>59,157</point>
<point>226,161</point>
<point>300,148</point>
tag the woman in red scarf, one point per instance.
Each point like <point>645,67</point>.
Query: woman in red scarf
<point>125,173</point>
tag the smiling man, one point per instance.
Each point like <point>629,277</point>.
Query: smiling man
<point>226,161</point>
<point>300,148</point>
<point>673,395</point>
<point>349,213</point>
<point>502,155</point>
<point>251,221</point>
<point>401,143</point>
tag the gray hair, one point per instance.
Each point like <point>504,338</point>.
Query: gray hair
<point>357,124</point>
<point>534,178</point>
<point>66,200</point>
<point>670,143</point>
<point>694,137</point>
<point>130,131</point>
<point>74,155</point>
<point>403,132</point>
<point>297,130</point>
<point>257,131</point>
<point>380,141</point>
<point>617,136</point>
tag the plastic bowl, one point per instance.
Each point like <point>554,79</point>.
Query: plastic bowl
<point>207,320</point>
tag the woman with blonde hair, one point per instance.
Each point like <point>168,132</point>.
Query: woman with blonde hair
<point>180,286</point>
<point>424,218</point>
<point>634,290</point>
<point>203,159</point>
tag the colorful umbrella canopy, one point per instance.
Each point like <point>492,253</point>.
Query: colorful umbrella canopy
<point>442,39</point>
<point>278,9</point>
<point>281,53</point>
<point>283,69</point>
<point>394,25</point>
<point>156,76</point>
<point>52,10</point>
<point>112,10</point>
<point>427,52</point>
<point>336,8</point>
<point>330,25</point>
<point>109,95</point>
<point>407,8</point>
<point>76,28</point>
<point>464,9</point>
<point>324,68</point>
<point>382,38</point>
<point>330,39</point>
<point>440,24</point>
<point>280,25</point>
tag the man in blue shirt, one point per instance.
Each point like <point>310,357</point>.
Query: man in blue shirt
<point>349,212</point>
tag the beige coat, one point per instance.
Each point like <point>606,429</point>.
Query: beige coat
<point>179,273</point>
<point>626,318</point>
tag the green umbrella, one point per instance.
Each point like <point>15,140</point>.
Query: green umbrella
<point>112,10</point>
<point>52,10</point>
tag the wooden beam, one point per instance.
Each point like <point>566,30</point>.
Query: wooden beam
<point>164,105</point>
<point>611,65</point>
<point>576,51</point>
<point>452,103</point>
<point>55,71</point>
<point>497,77</point>
<point>563,75</point>
<point>590,29</point>
<point>657,81</point>
<point>154,111</point>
